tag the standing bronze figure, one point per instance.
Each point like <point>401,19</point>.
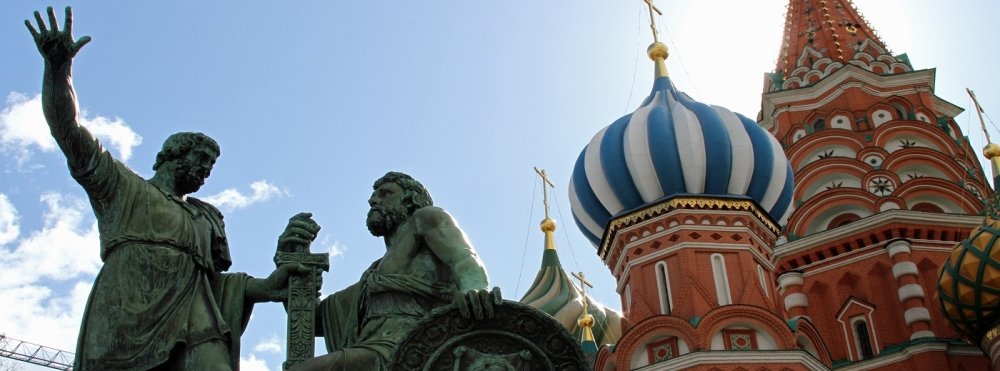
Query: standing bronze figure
<point>162,299</point>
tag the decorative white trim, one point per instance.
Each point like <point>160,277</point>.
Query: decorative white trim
<point>739,357</point>
<point>790,279</point>
<point>878,220</point>
<point>922,334</point>
<point>628,298</point>
<point>764,282</point>
<point>663,288</point>
<point>912,290</point>
<point>903,268</point>
<point>795,300</point>
<point>721,275</point>
<point>917,314</point>
<point>623,273</point>
<point>837,83</point>
<point>897,246</point>
<point>902,355</point>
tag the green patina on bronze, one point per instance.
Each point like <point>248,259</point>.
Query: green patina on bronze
<point>428,264</point>
<point>162,299</point>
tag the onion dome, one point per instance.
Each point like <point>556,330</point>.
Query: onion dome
<point>673,145</point>
<point>969,285</point>
<point>554,293</point>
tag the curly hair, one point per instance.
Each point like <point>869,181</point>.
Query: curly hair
<point>416,194</point>
<point>179,144</point>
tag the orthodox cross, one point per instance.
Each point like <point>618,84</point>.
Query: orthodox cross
<point>301,306</point>
<point>652,19</point>
<point>546,183</point>
<point>584,284</point>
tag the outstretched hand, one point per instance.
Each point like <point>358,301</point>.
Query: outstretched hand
<point>479,303</point>
<point>275,286</point>
<point>299,234</point>
<point>57,47</point>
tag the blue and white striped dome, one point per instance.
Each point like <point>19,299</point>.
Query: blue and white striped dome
<point>672,145</point>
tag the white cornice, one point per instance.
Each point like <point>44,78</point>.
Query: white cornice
<point>836,83</point>
<point>907,353</point>
<point>872,222</point>
<point>744,357</point>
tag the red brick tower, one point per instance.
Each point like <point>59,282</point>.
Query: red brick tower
<point>885,184</point>
<point>684,202</point>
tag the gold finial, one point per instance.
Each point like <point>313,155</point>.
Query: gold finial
<point>657,51</point>
<point>586,320</point>
<point>548,225</point>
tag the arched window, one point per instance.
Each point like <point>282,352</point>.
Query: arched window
<point>842,220</point>
<point>663,284</point>
<point>926,207</point>
<point>721,280</point>
<point>863,339</point>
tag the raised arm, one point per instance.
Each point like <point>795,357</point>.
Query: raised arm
<point>58,97</point>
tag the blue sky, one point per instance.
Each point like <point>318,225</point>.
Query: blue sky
<point>312,102</point>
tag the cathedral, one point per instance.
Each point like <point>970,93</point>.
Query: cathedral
<point>849,227</point>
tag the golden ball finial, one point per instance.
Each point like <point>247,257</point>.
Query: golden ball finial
<point>586,320</point>
<point>548,225</point>
<point>991,150</point>
<point>657,51</point>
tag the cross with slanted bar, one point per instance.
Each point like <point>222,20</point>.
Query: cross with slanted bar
<point>584,284</point>
<point>652,20</point>
<point>545,190</point>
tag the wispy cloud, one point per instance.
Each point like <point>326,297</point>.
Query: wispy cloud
<point>9,228</point>
<point>252,363</point>
<point>23,130</point>
<point>64,250</point>
<point>335,248</point>
<point>269,345</point>
<point>232,199</point>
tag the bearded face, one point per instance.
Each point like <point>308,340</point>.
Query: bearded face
<point>191,171</point>
<point>383,220</point>
<point>388,210</point>
<point>186,179</point>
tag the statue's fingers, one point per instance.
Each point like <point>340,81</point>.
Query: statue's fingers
<point>68,21</point>
<point>34,33</point>
<point>477,306</point>
<point>302,215</point>
<point>305,225</point>
<point>302,241</point>
<point>495,295</point>
<point>300,231</point>
<point>311,228</point>
<point>41,23</point>
<point>484,299</point>
<point>80,43</point>
<point>52,19</point>
<point>463,305</point>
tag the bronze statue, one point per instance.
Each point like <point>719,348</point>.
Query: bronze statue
<point>428,264</point>
<point>161,300</point>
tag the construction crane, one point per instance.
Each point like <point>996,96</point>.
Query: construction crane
<point>35,354</point>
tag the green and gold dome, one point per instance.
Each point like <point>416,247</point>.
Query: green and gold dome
<point>969,285</point>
